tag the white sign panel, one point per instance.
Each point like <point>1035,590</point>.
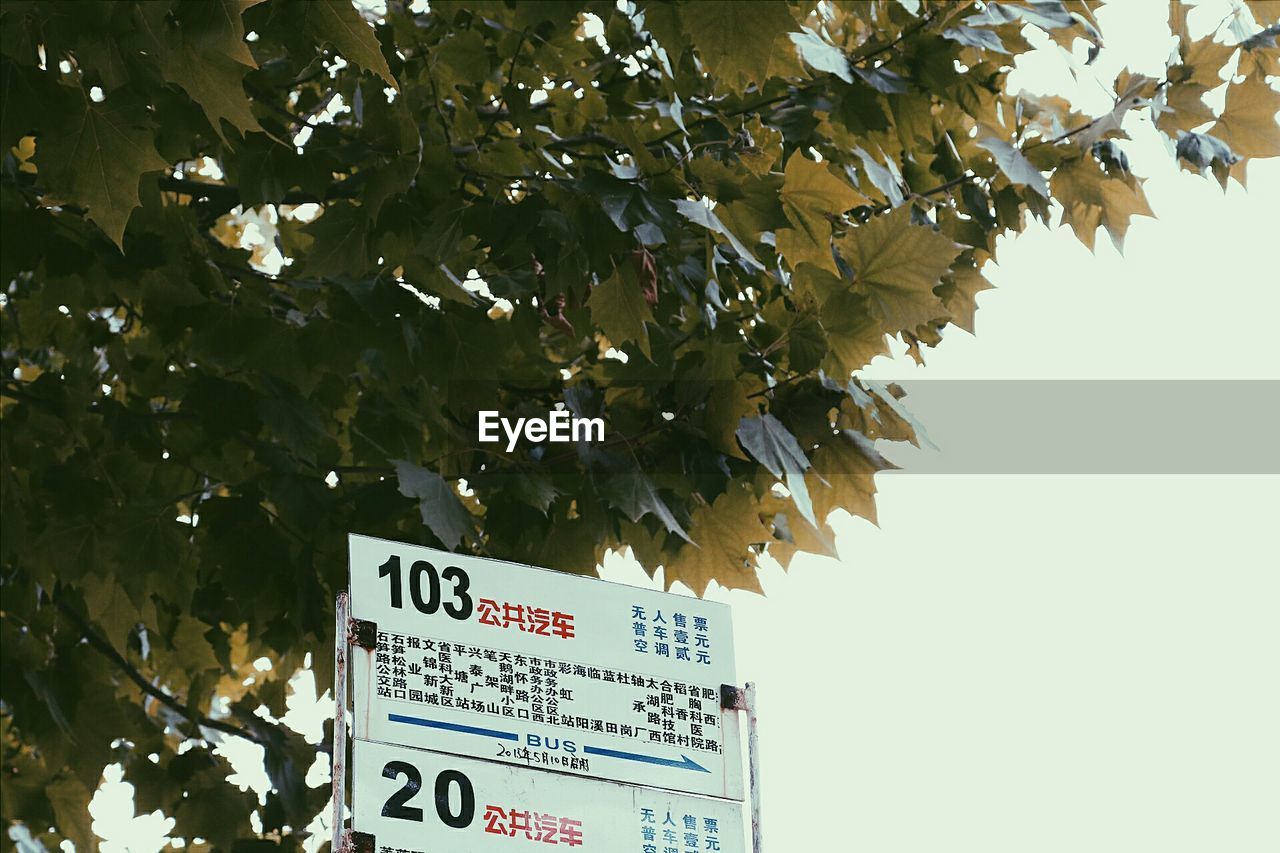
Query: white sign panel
<point>414,801</point>
<point>527,666</point>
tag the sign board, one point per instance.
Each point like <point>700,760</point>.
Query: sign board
<point>414,801</point>
<point>509,663</point>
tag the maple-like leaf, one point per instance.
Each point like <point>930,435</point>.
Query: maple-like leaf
<point>635,494</point>
<point>897,264</point>
<point>1248,124</point>
<point>1122,199</point>
<point>1203,61</point>
<point>1090,198</point>
<point>722,533</point>
<point>810,194</point>
<point>206,56</point>
<point>959,293</point>
<point>619,308</point>
<point>769,441</point>
<point>340,25</point>
<point>1185,108</point>
<point>736,41</point>
<point>699,213</point>
<point>844,470</point>
<point>110,606</point>
<point>1016,167</point>
<point>854,335</point>
<point>216,27</point>
<point>69,798</point>
<point>442,511</point>
<point>95,155</point>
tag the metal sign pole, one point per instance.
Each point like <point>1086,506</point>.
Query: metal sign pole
<point>744,699</point>
<point>753,762</point>
<point>339,765</point>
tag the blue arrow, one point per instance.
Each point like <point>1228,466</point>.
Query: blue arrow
<point>685,762</point>
<point>451,727</point>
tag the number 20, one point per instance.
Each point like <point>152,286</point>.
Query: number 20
<point>397,805</point>
<point>459,606</point>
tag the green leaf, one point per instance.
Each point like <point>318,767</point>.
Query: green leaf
<point>1017,168</point>
<point>209,65</point>
<point>635,494</point>
<point>1047,14</point>
<point>341,242</point>
<point>772,445</point>
<point>338,23</point>
<point>535,489</point>
<point>736,41</point>
<point>70,800</point>
<point>699,213</point>
<point>95,155</point>
<point>974,37</point>
<point>810,197</point>
<point>822,55</point>
<point>897,265</point>
<point>806,344</point>
<point>216,27</point>
<point>618,307</point>
<point>810,193</point>
<point>442,511</point>
<point>110,606</point>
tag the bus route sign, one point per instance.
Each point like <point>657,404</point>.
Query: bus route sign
<point>415,801</point>
<point>504,662</point>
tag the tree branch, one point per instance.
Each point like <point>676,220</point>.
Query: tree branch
<point>108,651</point>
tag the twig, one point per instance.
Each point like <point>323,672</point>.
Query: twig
<point>169,701</point>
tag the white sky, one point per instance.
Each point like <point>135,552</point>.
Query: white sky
<point>1033,663</point>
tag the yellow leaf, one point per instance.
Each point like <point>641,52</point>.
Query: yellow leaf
<point>23,152</point>
<point>842,477</point>
<point>737,41</point>
<point>799,247</point>
<point>848,465</point>
<point>897,265</point>
<point>1187,109</point>
<point>1265,12</point>
<point>1205,59</point>
<point>854,334</point>
<point>1248,124</point>
<point>810,193</point>
<point>1090,198</point>
<point>724,532</point>
<point>1122,199</point>
<point>960,295</point>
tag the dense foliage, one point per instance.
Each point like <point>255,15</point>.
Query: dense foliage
<point>263,261</point>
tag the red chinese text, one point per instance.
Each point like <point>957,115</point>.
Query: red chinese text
<point>532,620</point>
<point>535,826</point>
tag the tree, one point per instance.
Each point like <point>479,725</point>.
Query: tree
<point>264,261</point>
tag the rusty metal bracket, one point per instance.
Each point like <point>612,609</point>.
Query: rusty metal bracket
<point>732,697</point>
<point>363,633</point>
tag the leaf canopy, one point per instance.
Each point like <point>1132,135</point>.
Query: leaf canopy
<point>265,261</point>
